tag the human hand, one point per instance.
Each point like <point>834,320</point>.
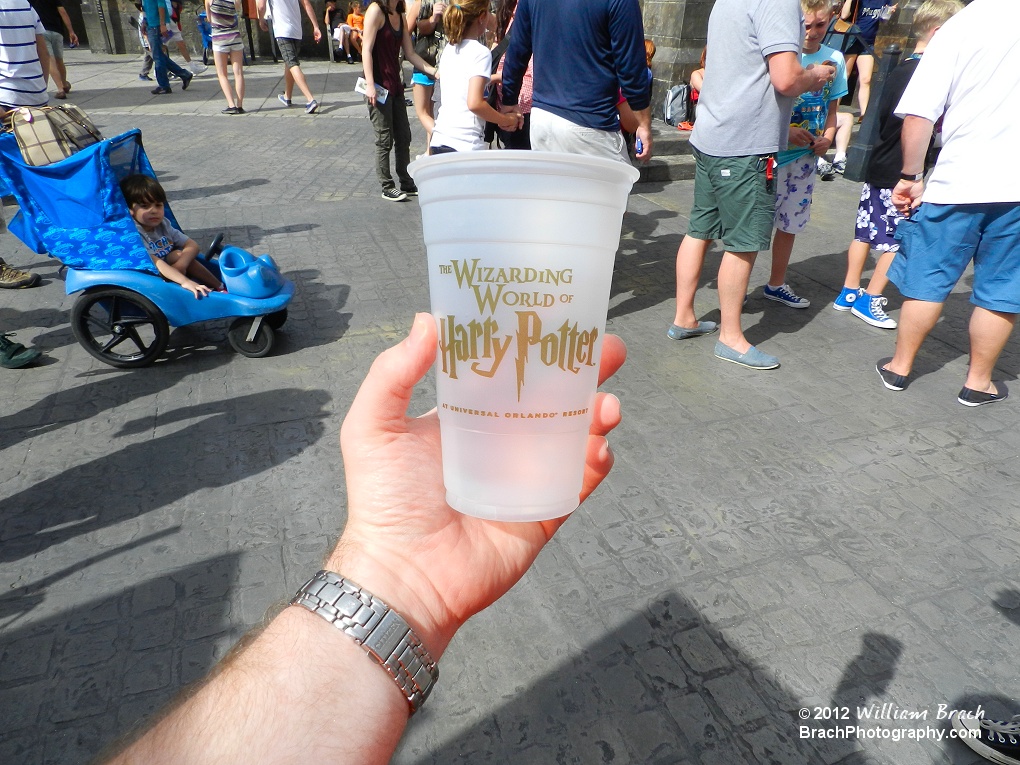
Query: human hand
<point>822,74</point>
<point>73,38</point>
<point>515,110</point>
<point>508,121</point>
<point>437,11</point>
<point>821,145</point>
<point>370,93</point>
<point>906,195</point>
<point>801,137</point>
<point>196,289</point>
<point>263,25</point>
<point>317,34</point>
<point>434,566</point>
<point>644,134</point>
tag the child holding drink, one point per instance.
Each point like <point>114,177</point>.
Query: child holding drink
<point>464,72</point>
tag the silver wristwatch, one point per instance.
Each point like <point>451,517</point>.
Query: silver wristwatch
<point>383,633</point>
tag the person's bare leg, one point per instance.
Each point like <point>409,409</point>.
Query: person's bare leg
<point>237,59</point>
<point>299,79</point>
<point>879,280</point>
<point>690,257</point>
<point>917,318</point>
<point>989,331</point>
<point>59,73</point>
<point>865,68</point>
<point>782,249</point>
<point>220,60</point>
<point>844,131</point>
<point>183,48</point>
<point>288,83</point>
<point>856,259</point>
<point>423,108</point>
<point>734,274</point>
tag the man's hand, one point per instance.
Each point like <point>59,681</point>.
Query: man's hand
<point>433,565</point>
<point>263,25</point>
<point>906,196</point>
<point>515,110</point>
<point>800,137</point>
<point>821,145</point>
<point>317,34</point>
<point>821,74</point>
<point>73,38</point>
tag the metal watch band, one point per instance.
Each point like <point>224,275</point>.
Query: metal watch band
<point>382,632</point>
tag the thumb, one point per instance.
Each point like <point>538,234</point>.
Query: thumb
<point>382,401</point>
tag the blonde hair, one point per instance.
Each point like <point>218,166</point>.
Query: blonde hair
<point>813,6</point>
<point>932,14</point>
<point>460,15</point>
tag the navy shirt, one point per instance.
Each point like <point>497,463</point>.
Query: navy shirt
<point>585,52</point>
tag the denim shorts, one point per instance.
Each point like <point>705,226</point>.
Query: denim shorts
<point>54,44</point>
<point>938,242</point>
<point>289,51</point>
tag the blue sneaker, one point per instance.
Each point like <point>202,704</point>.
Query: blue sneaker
<point>870,308</point>
<point>786,296</point>
<point>847,298</point>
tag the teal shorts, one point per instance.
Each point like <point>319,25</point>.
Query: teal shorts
<point>938,242</point>
<point>732,202</point>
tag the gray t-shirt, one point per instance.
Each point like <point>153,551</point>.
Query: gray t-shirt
<point>739,112</point>
<point>162,239</point>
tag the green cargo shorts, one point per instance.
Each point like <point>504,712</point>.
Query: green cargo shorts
<point>732,202</point>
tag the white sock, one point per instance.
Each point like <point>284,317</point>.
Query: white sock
<point>839,156</point>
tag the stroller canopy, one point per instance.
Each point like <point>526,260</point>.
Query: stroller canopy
<point>73,209</point>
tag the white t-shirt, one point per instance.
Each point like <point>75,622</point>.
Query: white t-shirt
<point>286,17</point>
<point>969,74</point>
<point>21,75</point>
<point>456,125</point>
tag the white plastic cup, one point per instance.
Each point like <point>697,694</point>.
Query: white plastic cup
<point>521,247</point>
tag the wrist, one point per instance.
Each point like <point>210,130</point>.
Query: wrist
<point>394,580</point>
<point>911,177</point>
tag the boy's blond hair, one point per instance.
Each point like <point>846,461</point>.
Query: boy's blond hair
<point>813,6</point>
<point>932,14</point>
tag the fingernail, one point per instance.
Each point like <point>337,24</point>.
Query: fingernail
<point>418,327</point>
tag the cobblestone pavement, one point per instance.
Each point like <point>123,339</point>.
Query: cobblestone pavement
<point>767,541</point>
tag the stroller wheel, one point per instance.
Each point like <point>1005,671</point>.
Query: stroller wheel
<point>277,318</point>
<point>258,346</point>
<point>120,327</point>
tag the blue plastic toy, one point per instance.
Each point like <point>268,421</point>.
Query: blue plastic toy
<point>74,210</point>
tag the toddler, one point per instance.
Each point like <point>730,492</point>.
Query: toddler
<point>172,252</point>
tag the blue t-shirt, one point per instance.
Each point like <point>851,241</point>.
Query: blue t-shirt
<point>585,53</point>
<point>810,110</point>
<point>869,14</point>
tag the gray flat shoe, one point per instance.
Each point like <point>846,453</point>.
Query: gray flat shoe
<point>677,332</point>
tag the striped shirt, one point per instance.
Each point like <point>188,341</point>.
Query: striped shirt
<point>21,74</point>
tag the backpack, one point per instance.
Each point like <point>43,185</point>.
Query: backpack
<point>676,107</point>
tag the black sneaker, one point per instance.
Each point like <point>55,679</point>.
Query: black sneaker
<point>394,195</point>
<point>411,191</point>
<point>186,81</point>
<point>160,91</point>
<point>970,397</point>
<point>891,380</point>
<point>994,740</point>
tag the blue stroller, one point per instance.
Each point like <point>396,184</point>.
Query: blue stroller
<point>74,210</point>
<point>205,29</point>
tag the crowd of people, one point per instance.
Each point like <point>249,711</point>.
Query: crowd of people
<point>767,112</point>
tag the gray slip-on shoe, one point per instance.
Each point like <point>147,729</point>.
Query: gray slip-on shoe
<point>752,359</point>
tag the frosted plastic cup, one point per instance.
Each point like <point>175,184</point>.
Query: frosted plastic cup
<point>521,247</point>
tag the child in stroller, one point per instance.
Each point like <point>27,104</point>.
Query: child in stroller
<point>171,251</point>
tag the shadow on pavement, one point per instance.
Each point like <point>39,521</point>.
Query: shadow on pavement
<point>86,676</point>
<point>232,440</point>
<point>664,688</point>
